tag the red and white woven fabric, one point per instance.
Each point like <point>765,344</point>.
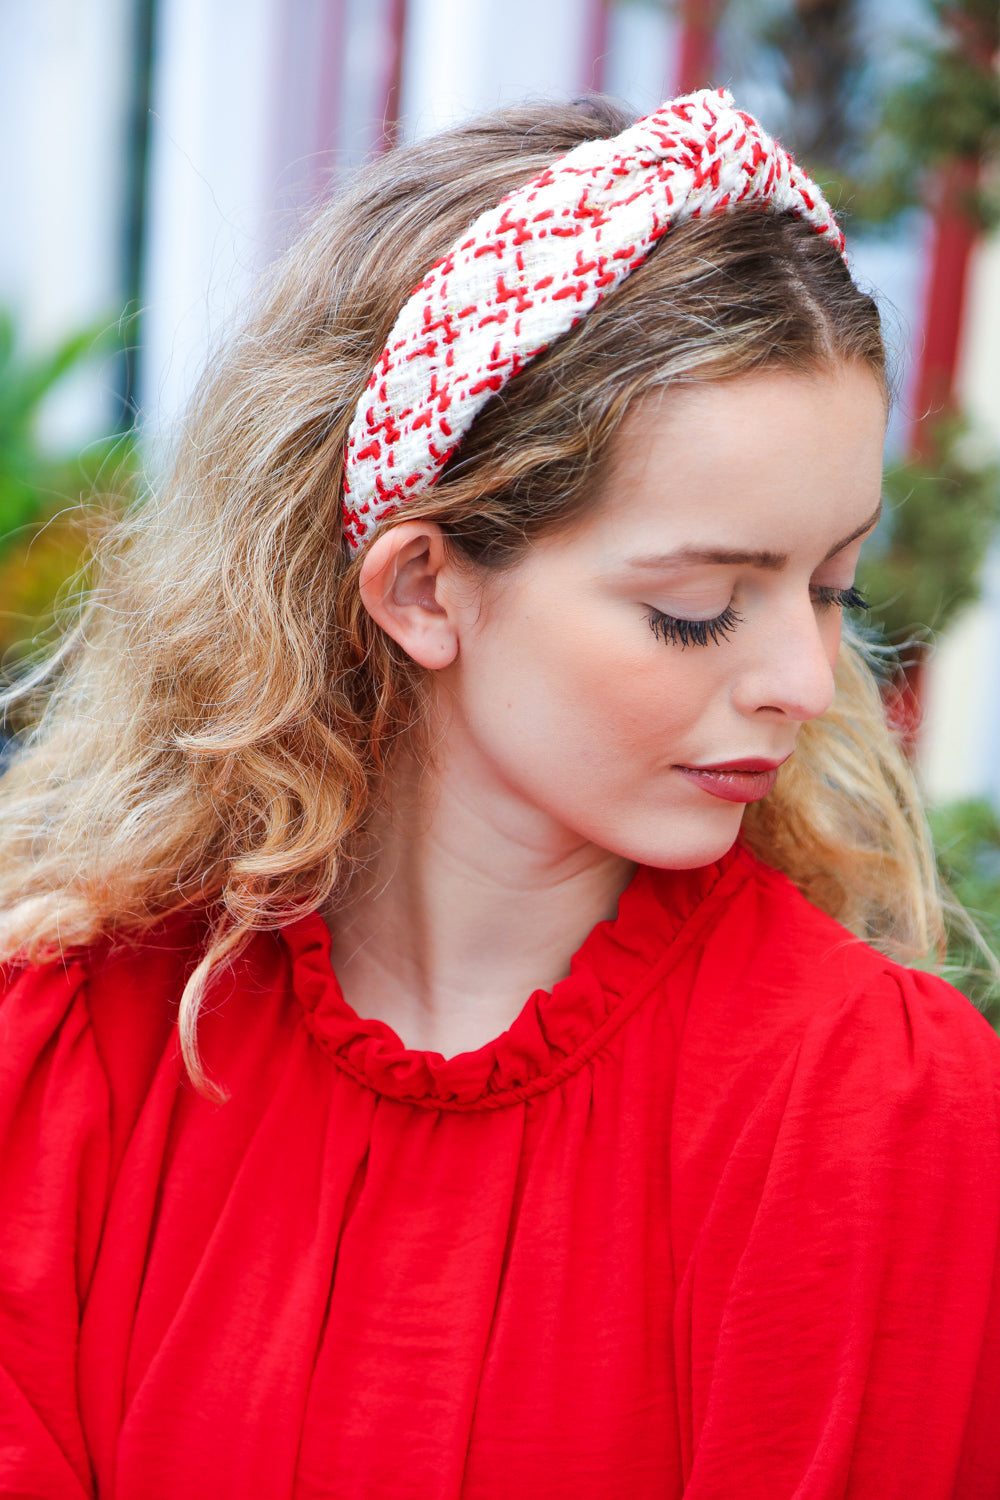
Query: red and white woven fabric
<point>530,268</point>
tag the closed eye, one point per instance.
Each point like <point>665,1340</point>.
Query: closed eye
<point>679,632</point>
<point>851,598</point>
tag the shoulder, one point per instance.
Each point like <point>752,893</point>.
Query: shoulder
<point>855,1101</point>
<point>789,1009</point>
<point>801,968</point>
<point>85,1031</point>
<point>110,987</point>
<point>105,1016</point>
<point>835,1196</point>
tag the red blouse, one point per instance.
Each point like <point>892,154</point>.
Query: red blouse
<point>718,1217</point>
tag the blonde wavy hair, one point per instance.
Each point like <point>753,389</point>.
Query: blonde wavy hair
<point>214,730</point>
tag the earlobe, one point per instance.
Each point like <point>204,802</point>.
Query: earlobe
<point>401,588</point>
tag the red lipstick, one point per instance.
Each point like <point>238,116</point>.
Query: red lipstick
<point>735,780</point>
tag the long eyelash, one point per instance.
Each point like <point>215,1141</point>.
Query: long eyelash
<point>841,598</point>
<point>693,632</point>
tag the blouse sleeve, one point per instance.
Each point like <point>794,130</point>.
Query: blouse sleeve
<point>839,1313</point>
<point>54,1150</point>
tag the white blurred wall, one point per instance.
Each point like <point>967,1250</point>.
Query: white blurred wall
<point>467,56</point>
<point>257,103</point>
<point>960,752</point>
<point>63,122</point>
<point>212,105</point>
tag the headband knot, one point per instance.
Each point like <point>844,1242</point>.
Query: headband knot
<point>529,269</point>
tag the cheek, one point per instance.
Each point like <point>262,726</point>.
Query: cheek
<point>602,677</point>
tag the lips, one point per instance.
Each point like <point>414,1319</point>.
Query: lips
<point>735,780</point>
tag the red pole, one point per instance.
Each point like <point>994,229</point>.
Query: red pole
<point>954,236</point>
<point>598,38</point>
<point>696,59</point>
<point>955,231</point>
<point>332,43</point>
<point>395,37</point>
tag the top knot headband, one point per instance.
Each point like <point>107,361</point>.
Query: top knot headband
<point>530,268</point>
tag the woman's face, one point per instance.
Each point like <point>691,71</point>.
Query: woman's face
<point>605,689</point>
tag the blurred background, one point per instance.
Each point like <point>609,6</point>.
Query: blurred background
<point>157,154</point>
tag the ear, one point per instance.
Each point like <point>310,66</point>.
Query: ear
<point>404,588</point>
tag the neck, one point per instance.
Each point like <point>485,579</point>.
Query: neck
<point>470,902</point>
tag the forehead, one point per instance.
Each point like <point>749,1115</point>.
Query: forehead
<point>763,458</point>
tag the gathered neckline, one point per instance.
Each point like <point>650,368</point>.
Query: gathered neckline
<point>556,1031</point>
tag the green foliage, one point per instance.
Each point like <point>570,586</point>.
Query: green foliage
<point>872,125</point>
<point>948,110</point>
<point>45,498</point>
<point>951,109</point>
<point>967,835</point>
<point>924,563</point>
<point>31,479</point>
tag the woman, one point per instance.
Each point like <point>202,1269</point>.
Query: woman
<point>476,621</point>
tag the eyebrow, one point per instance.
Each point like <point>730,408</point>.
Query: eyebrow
<point>771,562</point>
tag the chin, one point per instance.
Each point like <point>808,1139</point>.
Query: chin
<point>687,843</point>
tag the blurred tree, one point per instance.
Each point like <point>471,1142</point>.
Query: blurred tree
<point>821,66</point>
<point>47,499</point>
<point>967,836</point>
<point>24,384</point>
<point>923,566</point>
<point>875,124</point>
<point>938,145</point>
<point>947,111</point>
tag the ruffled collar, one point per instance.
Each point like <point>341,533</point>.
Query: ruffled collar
<point>557,1031</point>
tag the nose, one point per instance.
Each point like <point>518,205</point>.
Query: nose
<point>790,670</point>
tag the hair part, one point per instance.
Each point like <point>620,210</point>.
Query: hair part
<point>217,729</point>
